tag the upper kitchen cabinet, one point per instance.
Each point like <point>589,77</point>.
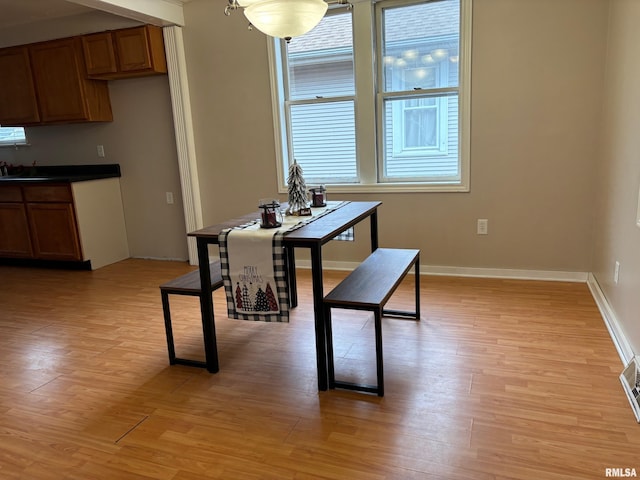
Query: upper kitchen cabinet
<point>129,52</point>
<point>64,92</point>
<point>18,103</point>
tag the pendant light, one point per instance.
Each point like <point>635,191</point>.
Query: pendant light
<point>282,18</point>
<point>286,18</point>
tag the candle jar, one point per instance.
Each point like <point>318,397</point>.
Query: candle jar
<point>270,213</point>
<point>318,196</point>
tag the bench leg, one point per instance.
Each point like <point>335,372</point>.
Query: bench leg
<point>330,366</point>
<point>405,314</point>
<point>333,383</point>
<point>173,360</point>
<point>416,269</point>
<point>167,326</point>
<point>379,368</point>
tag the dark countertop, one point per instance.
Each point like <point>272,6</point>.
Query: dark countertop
<point>63,173</point>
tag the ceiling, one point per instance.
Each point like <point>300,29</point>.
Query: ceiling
<point>22,12</point>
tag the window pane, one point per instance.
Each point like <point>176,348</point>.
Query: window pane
<point>12,136</point>
<point>421,143</point>
<point>323,140</point>
<point>421,45</point>
<point>420,127</point>
<point>321,62</point>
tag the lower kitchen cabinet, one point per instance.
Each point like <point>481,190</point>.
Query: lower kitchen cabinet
<point>52,221</point>
<point>74,222</point>
<point>15,241</point>
<point>54,233</point>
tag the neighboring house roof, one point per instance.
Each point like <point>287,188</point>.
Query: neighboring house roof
<point>430,19</point>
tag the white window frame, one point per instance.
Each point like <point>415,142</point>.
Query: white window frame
<point>13,143</point>
<point>368,101</point>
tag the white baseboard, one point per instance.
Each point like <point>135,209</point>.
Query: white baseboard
<point>610,320</point>
<point>163,258</point>
<point>508,273</point>
<point>471,272</point>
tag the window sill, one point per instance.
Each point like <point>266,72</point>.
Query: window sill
<point>14,145</point>
<point>391,188</point>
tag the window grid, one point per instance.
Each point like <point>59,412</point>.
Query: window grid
<point>421,123</point>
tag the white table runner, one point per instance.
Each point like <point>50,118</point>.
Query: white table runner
<point>254,268</point>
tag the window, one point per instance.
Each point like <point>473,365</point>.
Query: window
<point>320,101</point>
<point>409,133</point>
<point>419,94</point>
<point>12,136</point>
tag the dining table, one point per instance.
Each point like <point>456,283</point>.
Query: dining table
<point>312,236</point>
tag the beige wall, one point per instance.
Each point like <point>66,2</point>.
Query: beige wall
<point>616,235</point>
<point>536,99</point>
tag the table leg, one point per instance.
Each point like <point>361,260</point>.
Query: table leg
<point>291,277</point>
<point>206,308</point>
<point>374,230</point>
<point>318,312</point>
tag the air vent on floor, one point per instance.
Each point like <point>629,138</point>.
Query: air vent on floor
<point>630,379</point>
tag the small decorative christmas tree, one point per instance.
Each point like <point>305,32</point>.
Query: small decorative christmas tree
<point>298,204</point>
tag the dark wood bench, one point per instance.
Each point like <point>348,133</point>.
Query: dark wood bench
<point>188,284</point>
<point>369,287</point>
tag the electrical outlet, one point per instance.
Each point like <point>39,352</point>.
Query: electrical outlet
<point>170,198</point>
<point>483,226</point>
<point>616,272</point>
<point>100,149</point>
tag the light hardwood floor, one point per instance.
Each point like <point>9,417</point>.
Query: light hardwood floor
<point>499,380</point>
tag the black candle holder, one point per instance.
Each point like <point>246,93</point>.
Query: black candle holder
<point>318,196</point>
<point>271,215</point>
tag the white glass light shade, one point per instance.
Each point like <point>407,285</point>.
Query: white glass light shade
<point>246,3</point>
<point>285,18</point>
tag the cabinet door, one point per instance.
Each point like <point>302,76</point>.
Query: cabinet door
<point>57,77</point>
<point>64,92</point>
<point>54,233</point>
<point>14,231</point>
<point>133,49</point>
<point>99,54</point>
<point>140,49</point>
<point>18,104</point>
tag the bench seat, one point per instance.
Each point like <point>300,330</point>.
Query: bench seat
<point>369,287</point>
<point>187,284</point>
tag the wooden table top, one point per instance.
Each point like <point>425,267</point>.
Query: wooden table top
<point>321,230</point>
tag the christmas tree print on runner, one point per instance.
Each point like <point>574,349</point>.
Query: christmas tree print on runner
<point>264,301</point>
<point>262,305</point>
<point>247,304</point>
<point>271,298</point>
<point>239,303</point>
